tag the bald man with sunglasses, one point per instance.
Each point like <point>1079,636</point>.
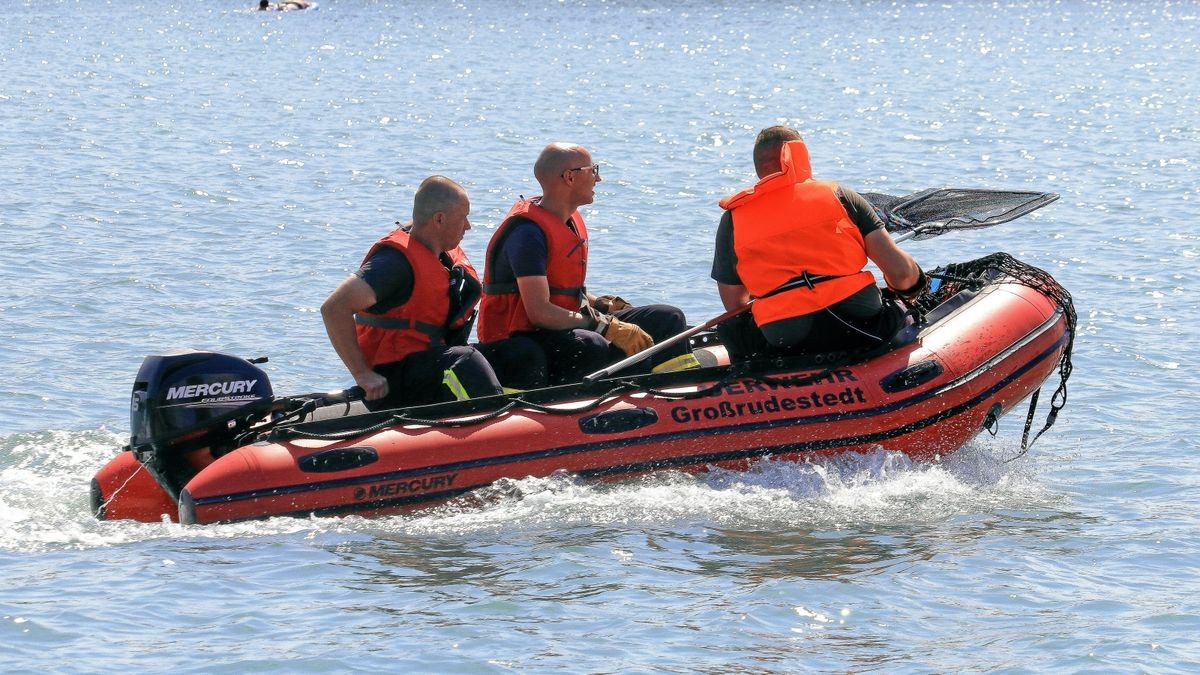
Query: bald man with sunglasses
<point>534,281</point>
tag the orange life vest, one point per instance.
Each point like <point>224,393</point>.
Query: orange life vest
<point>789,225</point>
<point>424,321</point>
<point>501,313</point>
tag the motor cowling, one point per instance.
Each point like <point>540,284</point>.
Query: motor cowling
<point>189,401</point>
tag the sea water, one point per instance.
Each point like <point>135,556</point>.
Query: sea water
<point>201,175</point>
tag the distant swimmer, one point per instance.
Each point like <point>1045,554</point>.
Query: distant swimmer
<point>284,6</point>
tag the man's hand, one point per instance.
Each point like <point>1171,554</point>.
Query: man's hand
<point>908,295</point>
<point>374,384</point>
<point>352,295</point>
<point>628,337</point>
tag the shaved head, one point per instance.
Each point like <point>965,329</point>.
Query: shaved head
<point>436,193</point>
<point>557,158</point>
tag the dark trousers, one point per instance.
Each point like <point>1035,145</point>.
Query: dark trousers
<point>418,379</point>
<point>519,362</point>
<point>661,322</point>
<point>573,354</point>
<point>855,323</point>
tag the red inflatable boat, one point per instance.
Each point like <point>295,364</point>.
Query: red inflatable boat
<point>211,443</point>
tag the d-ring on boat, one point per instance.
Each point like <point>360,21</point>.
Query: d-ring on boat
<point>210,442</point>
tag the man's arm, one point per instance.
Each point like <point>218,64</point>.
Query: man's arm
<point>733,296</point>
<point>523,256</point>
<point>351,296</point>
<point>724,268</point>
<point>899,269</point>
<point>535,297</point>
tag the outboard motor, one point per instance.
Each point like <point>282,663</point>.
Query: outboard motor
<point>190,407</point>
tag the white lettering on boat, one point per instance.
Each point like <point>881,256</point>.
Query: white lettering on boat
<point>849,396</point>
<point>230,388</point>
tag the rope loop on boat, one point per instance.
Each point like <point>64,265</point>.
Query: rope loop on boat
<point>976,272</point>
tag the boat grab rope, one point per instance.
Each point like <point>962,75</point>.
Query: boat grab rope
<point>403,416</point>
<point>974,274</point>
<point>954,277</point>
<point>736,372</point>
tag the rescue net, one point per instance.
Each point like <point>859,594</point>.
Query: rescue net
<point>930,213</point>
<point>976,273</point>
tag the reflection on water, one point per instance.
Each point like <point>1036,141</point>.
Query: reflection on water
<point>782,520</point>
<point>754,557</point>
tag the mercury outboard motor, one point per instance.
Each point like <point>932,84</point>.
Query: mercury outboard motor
<point>190,407</point>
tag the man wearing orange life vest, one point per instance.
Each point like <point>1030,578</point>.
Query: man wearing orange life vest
<point>534,276</point>
<point>400,323</point>
<point>790,227</point>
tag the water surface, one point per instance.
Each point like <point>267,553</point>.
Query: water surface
<point>202,175</point>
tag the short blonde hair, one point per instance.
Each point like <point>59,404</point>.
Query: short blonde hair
<point>436,193</point>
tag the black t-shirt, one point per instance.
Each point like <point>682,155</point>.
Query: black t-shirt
<point>724,267</point>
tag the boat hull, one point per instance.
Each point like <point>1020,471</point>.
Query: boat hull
<point>924,399</point>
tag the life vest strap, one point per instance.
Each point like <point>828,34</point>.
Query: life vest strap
<point>811,280</point>
<point>805,279</point>
<point>435,332</point>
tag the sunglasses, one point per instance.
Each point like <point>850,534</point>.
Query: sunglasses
<point>595,168</point>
